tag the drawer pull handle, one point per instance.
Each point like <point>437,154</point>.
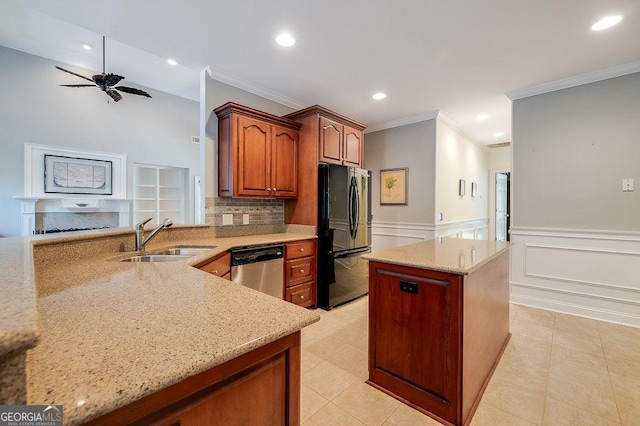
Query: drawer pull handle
<point>301,250</point>
<point>302,271</point>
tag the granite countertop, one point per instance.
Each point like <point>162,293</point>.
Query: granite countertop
<point>452,255</point>
<point>107,333</point>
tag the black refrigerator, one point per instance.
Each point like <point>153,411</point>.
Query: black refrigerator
<point>344,234</point>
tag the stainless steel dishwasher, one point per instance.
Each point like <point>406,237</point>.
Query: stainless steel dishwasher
<point>259,268</point>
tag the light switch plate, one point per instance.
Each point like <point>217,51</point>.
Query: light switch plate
<point>245,219</point>
<point>627,185</point>
<point>227,219</point>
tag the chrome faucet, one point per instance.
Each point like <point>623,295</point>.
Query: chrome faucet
<point>140,240</point>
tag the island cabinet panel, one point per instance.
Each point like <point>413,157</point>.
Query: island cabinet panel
<point>257,153</point>
<point>436,337</point>
<point>416,336</point>
<point>261,387</point>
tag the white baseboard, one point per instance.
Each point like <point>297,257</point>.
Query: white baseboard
<point>590,273</point>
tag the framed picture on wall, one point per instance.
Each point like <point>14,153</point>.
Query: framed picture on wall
<point>69,175</point>
<point>394,189</point>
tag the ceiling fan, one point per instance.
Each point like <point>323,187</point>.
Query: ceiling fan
<point>106,82</point>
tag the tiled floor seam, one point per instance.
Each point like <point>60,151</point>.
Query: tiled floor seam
<point>513,414</point>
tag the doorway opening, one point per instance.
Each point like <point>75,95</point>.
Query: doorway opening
<point>503,203</point>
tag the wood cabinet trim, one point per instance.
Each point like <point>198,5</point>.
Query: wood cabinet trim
<point>325,112</point>
<point>231,107</point>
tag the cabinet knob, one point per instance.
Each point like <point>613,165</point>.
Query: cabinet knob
<point>302,271</point>
<point>301,250</point>
<point>268,189</point>
<point>275,189</point>
<point>301,297</point>
<point>214,272</point>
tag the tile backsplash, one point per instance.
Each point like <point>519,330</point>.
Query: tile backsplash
<point>61,220</point>
<point>261,211</point>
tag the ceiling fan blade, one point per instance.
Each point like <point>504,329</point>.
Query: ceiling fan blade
<point>71,72</point>
<point>112,79</point>
<point>133,91</point>
<point>113,94</point>
<point>78,85</point>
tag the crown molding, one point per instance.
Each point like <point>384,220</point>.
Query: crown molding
<point>452,125</point>
<point>255,89</point>
<point>578,80</point>
<point>431,115</point>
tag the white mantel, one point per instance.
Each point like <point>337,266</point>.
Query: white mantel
<point>32,205</point>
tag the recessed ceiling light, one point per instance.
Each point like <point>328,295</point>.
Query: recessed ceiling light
<point>285,40</point>
<point>482,117</point>
<point>172,62</point>
<point>606,22</point>
<point>498,134</point>
<point>87,46</point>
<point>379,96</point>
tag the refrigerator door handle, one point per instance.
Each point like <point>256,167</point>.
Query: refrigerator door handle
<point>353,207</point>
<point>356,203</point>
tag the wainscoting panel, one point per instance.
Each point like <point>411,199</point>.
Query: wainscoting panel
<point>590,273</point>
<point>395,234</point>
<point>386,235</point>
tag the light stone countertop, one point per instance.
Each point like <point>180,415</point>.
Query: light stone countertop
<point>107,333</point>
<point>457,256</point>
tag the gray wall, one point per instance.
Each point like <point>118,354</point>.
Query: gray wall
<point>35,109</point>
<point>412,146</point>
<point>571,150</point>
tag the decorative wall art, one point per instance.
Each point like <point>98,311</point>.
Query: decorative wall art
<point>461,185</point>
<point>69,175</point>
<point>393,186</point>
<point>474,189</point>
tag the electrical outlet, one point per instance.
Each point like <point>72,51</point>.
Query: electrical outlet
<point>245,219</point>
<point>227,219</point>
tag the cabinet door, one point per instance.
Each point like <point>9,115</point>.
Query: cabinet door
<point>254,157</point>
<point>284,165</point>
<point>416,335</point>
<point>352,153</point>
<point>330,141</point>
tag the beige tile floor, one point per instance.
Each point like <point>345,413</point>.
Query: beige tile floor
<point>557,370</point>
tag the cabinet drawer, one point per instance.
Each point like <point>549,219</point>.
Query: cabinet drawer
<point>299,271</point>
<point>219,266</point>
<point>299,249</point>
<point>301,295</point>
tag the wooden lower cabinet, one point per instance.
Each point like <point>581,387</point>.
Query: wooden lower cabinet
<point>261,387</point>
<point>435,337</point>
<point>300,263</point>
<point>219,266</point>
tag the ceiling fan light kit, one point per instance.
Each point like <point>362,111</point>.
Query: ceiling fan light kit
<point>106,82</point>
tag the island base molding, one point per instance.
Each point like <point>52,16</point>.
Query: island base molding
<point>589,273</point>
<point>259,387</point>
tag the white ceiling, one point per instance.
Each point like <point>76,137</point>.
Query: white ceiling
<point>458,57</point>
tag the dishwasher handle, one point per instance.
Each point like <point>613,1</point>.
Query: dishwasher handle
<point>246,255</point>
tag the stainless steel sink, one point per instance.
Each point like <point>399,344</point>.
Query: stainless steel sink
<point>155,258</point>
<point>185,251</point>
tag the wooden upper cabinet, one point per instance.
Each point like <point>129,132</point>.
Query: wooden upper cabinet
<point>284,154</point>
<point>330,141</point>
<point>257,153</point>
<point>339,139</point>
<point>352,147</point>
<point>254,157</point>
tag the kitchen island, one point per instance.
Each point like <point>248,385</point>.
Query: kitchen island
<point>105,338</point>
<point>438,323</point>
